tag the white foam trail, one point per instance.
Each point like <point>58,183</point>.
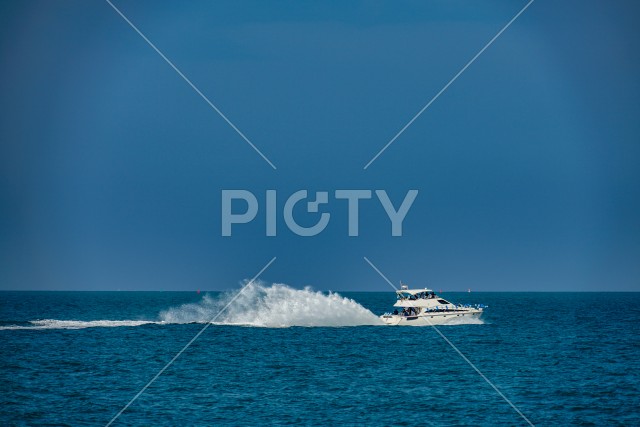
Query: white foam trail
<point>77,324</point>
<point>275,306</point>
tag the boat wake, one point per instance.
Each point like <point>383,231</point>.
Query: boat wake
<point>76,324</point>
<point>258,305</point>
<point>275,306</point>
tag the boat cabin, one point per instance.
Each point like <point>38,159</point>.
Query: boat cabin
<point>425,298</point>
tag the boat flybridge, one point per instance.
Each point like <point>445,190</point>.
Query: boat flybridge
<point>422,307</point>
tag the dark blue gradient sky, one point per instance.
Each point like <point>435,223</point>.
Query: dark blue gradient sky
<point>111,166</point>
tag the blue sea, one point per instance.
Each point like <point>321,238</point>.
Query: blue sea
<point>282,356</point>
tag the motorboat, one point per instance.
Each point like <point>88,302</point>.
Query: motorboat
<point>422,307</point>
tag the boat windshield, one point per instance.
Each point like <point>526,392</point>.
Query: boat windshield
<point>416,295</point>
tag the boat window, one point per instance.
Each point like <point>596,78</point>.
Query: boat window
<point>441,301</point>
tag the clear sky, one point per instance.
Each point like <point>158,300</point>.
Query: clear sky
<point>112,167</point>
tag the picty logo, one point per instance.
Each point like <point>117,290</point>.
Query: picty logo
<point>352,198</point>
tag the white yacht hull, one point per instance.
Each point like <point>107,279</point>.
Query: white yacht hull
<point>430,318</point>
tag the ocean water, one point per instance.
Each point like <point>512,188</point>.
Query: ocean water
<point>281,356</point>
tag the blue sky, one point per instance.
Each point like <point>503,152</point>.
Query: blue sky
<point>111,166</point>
